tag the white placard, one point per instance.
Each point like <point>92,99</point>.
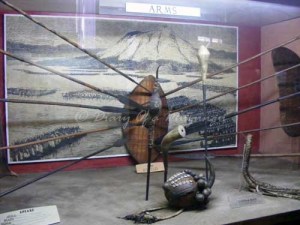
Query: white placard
<point>162,9</point>
<point>238,201</point>
<point>45,215</point>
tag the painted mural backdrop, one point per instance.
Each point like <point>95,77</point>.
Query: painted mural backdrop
<point>134,47</point>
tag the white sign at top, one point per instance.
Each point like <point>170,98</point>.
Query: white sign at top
<point>162,9</point>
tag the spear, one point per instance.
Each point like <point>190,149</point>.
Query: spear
<point>296,94</point>
<point>11,147</point>
<point>203,56</point>
<point>12,100</point>
<point>233,66</point>
<point>73,43</point>
<point>197,156</point>
<point>102,108</point>
<point>195,126</point>
<point>237,89</point>
<point>235,133</point>
<point>121,98</point>
<point>118,143</point>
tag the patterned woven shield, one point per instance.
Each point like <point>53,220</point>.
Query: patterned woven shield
<point>138,136</point>
<point>288,83</point>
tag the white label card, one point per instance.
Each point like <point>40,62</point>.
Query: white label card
<point>162,9</point>
<point>154,167</point>
<point>239,201</point>
<point>45,215</point>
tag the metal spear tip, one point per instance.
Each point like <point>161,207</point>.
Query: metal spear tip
<point>127,101</point>
<point>157,71</point>
<point>120,142</point>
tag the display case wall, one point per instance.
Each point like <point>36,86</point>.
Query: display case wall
<point>249,44</point>
<point>273,199</point>
<point>276,141</point>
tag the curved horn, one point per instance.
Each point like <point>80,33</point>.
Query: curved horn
<point>168,139</point>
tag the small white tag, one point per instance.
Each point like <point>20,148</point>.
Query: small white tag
<point>162,9</point>
<point>245,200</point>
<point>45,215</point>
<point>154,167</point>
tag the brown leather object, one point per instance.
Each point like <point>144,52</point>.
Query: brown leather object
<point>288,83</point>
<point>138,136</point>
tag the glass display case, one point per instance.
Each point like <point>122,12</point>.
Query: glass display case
<point>83,75</point>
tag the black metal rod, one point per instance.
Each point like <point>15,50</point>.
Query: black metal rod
<point>56,72</point>
<point>148,173</point>
<point>235,133</point>
<point>190,129</point>
<point>26,183</point>
<point>150,147</point>
<point>205,127</point>
<point>73,43</point>
<point>59,137</point>
<point>262,105</point>
<point>236,89</point>
<point>233,66</point>
<point>122,99</point>
<point>12,100</point>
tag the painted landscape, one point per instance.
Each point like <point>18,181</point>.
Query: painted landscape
<point>136,48</point>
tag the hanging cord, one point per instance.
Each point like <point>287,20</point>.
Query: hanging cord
<point>147,218</point>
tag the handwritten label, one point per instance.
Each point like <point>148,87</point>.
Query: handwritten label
<point>154,167</point>
<point>245,200</point>
<point>45,215</point>
<point>162,9</point>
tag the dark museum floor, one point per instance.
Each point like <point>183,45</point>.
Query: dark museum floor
<point>100,196</point>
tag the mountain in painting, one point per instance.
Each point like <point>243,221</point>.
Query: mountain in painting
<point>146,50</point>
<point>152,46</point>
<point>136,50</point>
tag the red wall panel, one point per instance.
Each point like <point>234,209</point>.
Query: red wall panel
<point>276,141</point>
<point>249,42</point>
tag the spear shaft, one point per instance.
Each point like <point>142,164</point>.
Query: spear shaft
<point>118,143</point>
<point>233,66</point>
<point>296,94</point>
<point>262,155</point>
<point>12,100</point>
<point>56,72</point>
<point>235,133</point>
<point>123,99</point>
<point>56,138</point>
<point>73,43</point>
<point>236,89</point>
<point>197,156</point>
